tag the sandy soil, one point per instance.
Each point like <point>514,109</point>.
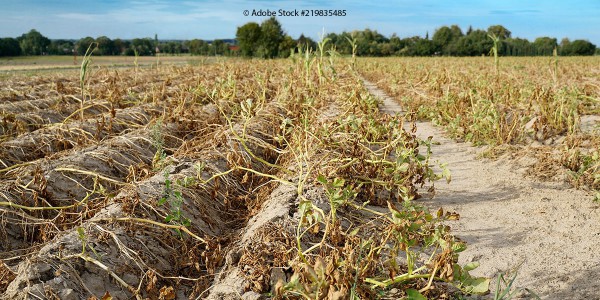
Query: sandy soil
<point>548,230</point>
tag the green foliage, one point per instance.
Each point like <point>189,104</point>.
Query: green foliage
<point>475,43</point>
<point>173,196</point>
<point>306,43</point>
<point>144,47</point>
<point>9,47</point>
<point>84,74</point>
<point>271,36</point>
<point>287,46</point>
<point>544,46</point>
<point>106,46</point>
<point>505,290</point>
<point>445,38</point>
<point>499,31</point>
<point>61,47</point>
<point>577,47</point>
<point>33,43</point>
<point>83,44</point>
<point>248,38</point>
<point>268,40</point>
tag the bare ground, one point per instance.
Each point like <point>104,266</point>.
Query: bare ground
<point>548,230</point>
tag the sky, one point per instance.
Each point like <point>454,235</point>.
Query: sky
<point>211,19</point>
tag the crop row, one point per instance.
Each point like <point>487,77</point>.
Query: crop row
<point>550,104</point>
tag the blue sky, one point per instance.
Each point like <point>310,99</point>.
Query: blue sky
<point>210,19</point>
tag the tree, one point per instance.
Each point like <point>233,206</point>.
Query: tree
<point>197,47</point>
<point>518,47</point>
<point>473,44</point>
<point>105,46</point>
<point>307,43</point>
<point>368,42</point>
<point>499,31</point>
<point>424,47</point>
<point>444,37</point>
<point>248,38</point>
<point>581,47</point>
<point>340,42</point>
<point>286,46</point>
<point>9,47</point>
<point>218,47</point>
<point>120,46</point>
<point>83,44</point>
<point>33,43</point>
<point>61,47</point>
<point>144,46</point>
<point>544,45</point>
<point>271,36</point>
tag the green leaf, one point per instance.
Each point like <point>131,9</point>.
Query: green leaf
<point>403,167</point>
<point>459,247</point>
<point>476,285</point>
<point>446,174</point>
<point>81,233</point>
<point>322,179</point>
<point>338,182</point>
<point>414,295</point>
<point>162,201</point>
<point>471,266</point>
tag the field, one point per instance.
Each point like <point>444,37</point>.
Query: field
<point>225,178</point>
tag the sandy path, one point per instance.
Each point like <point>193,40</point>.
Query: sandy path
<point>507,219</point>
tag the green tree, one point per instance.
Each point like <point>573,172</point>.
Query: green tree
<point>499,31</point>
<point>82,45</point>
<point>33,43</point>
<point>143,46</point>
<point>9,47</point>
<point>287,46</point>
<point>367,42</point>
<point>271,36</point>
<point>580,47</point>
<point>219,47</point>
<point>248,38</point>
<point>105,46</point>
<point>444,38</point>
<point>308,43</point>
<point>544,45</point>
<point>474,44</point>
<point>198,47</point>
<point>518,47</point>
<point>61,47</point>
<point>340,42</point>
<point>424,47</point>
<point>121,46</point>
<point>564,47</point>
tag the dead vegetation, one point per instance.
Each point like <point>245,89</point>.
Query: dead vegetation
<point>534,107</point>
<point>281,177</point>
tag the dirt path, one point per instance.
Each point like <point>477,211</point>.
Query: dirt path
<point>507,220</point>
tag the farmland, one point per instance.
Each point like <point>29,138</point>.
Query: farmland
<point>287,178</point>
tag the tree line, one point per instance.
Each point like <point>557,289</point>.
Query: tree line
<point>269,40</point>
<point>34,43</point>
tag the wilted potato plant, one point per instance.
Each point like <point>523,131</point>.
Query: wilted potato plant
<point>544,103</point>
<point>169,180</point>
